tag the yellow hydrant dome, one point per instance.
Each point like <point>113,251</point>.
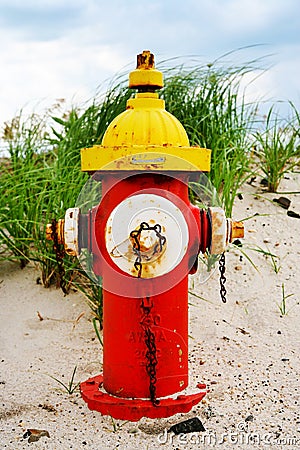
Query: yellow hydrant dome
<point>145,122</point>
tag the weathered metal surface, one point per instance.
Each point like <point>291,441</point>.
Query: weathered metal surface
<point>67,231</point>
<point>141,158</point>
<point>145,163</point>
<point>144,238</point>
<point>153,210</point>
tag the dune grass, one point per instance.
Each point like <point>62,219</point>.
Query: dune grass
<point>277,147</point>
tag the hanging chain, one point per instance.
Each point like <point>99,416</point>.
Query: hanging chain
<point>222,278</point>
<point>59,251</point>
<point>136,234</point>
<point>147,305</point>
<point>151,354</point>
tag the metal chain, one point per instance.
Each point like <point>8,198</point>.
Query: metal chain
<point>59,251</point>
<point>147,305</point>
<point>135,235</point>
<point>151,354</point>
<point>222,278</point>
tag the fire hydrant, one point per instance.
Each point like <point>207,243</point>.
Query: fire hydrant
<point>143,240</point>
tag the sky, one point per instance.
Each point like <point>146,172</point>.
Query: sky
<point>66,49</point>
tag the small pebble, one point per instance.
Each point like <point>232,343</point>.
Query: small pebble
<point>133,431</point>
<point>237,243</point>
<point>188,426</point>
<point>293,214</point>
<point>283,202</point>
<point>249,418</point>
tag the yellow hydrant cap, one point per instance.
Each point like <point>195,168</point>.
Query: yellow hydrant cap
<point>145,74</point>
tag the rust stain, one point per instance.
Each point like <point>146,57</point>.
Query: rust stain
<point>119,163</point>
<point>217,221</point>
<point>218,240</point>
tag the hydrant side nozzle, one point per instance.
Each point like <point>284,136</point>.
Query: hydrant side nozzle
<point>67,231</point>
<point>59,231</point>
<point>235,230</point>
<point>223,230</point>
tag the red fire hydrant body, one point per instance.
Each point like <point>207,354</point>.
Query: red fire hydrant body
<point>126,316</point>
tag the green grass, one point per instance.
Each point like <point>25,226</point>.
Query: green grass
<point>42,176</point>
<point>282,306</point>
<point>209,104</point>
<point>278,147</point>
<point>69,387</point>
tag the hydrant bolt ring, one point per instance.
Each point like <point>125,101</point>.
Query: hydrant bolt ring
<point>219,231</point>
<point>71,231</point>
<point>223,230</point>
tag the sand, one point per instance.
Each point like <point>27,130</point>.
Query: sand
<point>246,351</point>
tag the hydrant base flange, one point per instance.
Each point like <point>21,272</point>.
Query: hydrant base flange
<point>135,409</point>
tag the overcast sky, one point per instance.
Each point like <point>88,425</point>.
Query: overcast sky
<point>52,49</point>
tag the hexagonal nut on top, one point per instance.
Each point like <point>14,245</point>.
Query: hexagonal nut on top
<point>145,76</point>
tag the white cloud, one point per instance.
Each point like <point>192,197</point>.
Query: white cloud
<point>53,69</point>
<point>250,15</point>
<point>276,86</point>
